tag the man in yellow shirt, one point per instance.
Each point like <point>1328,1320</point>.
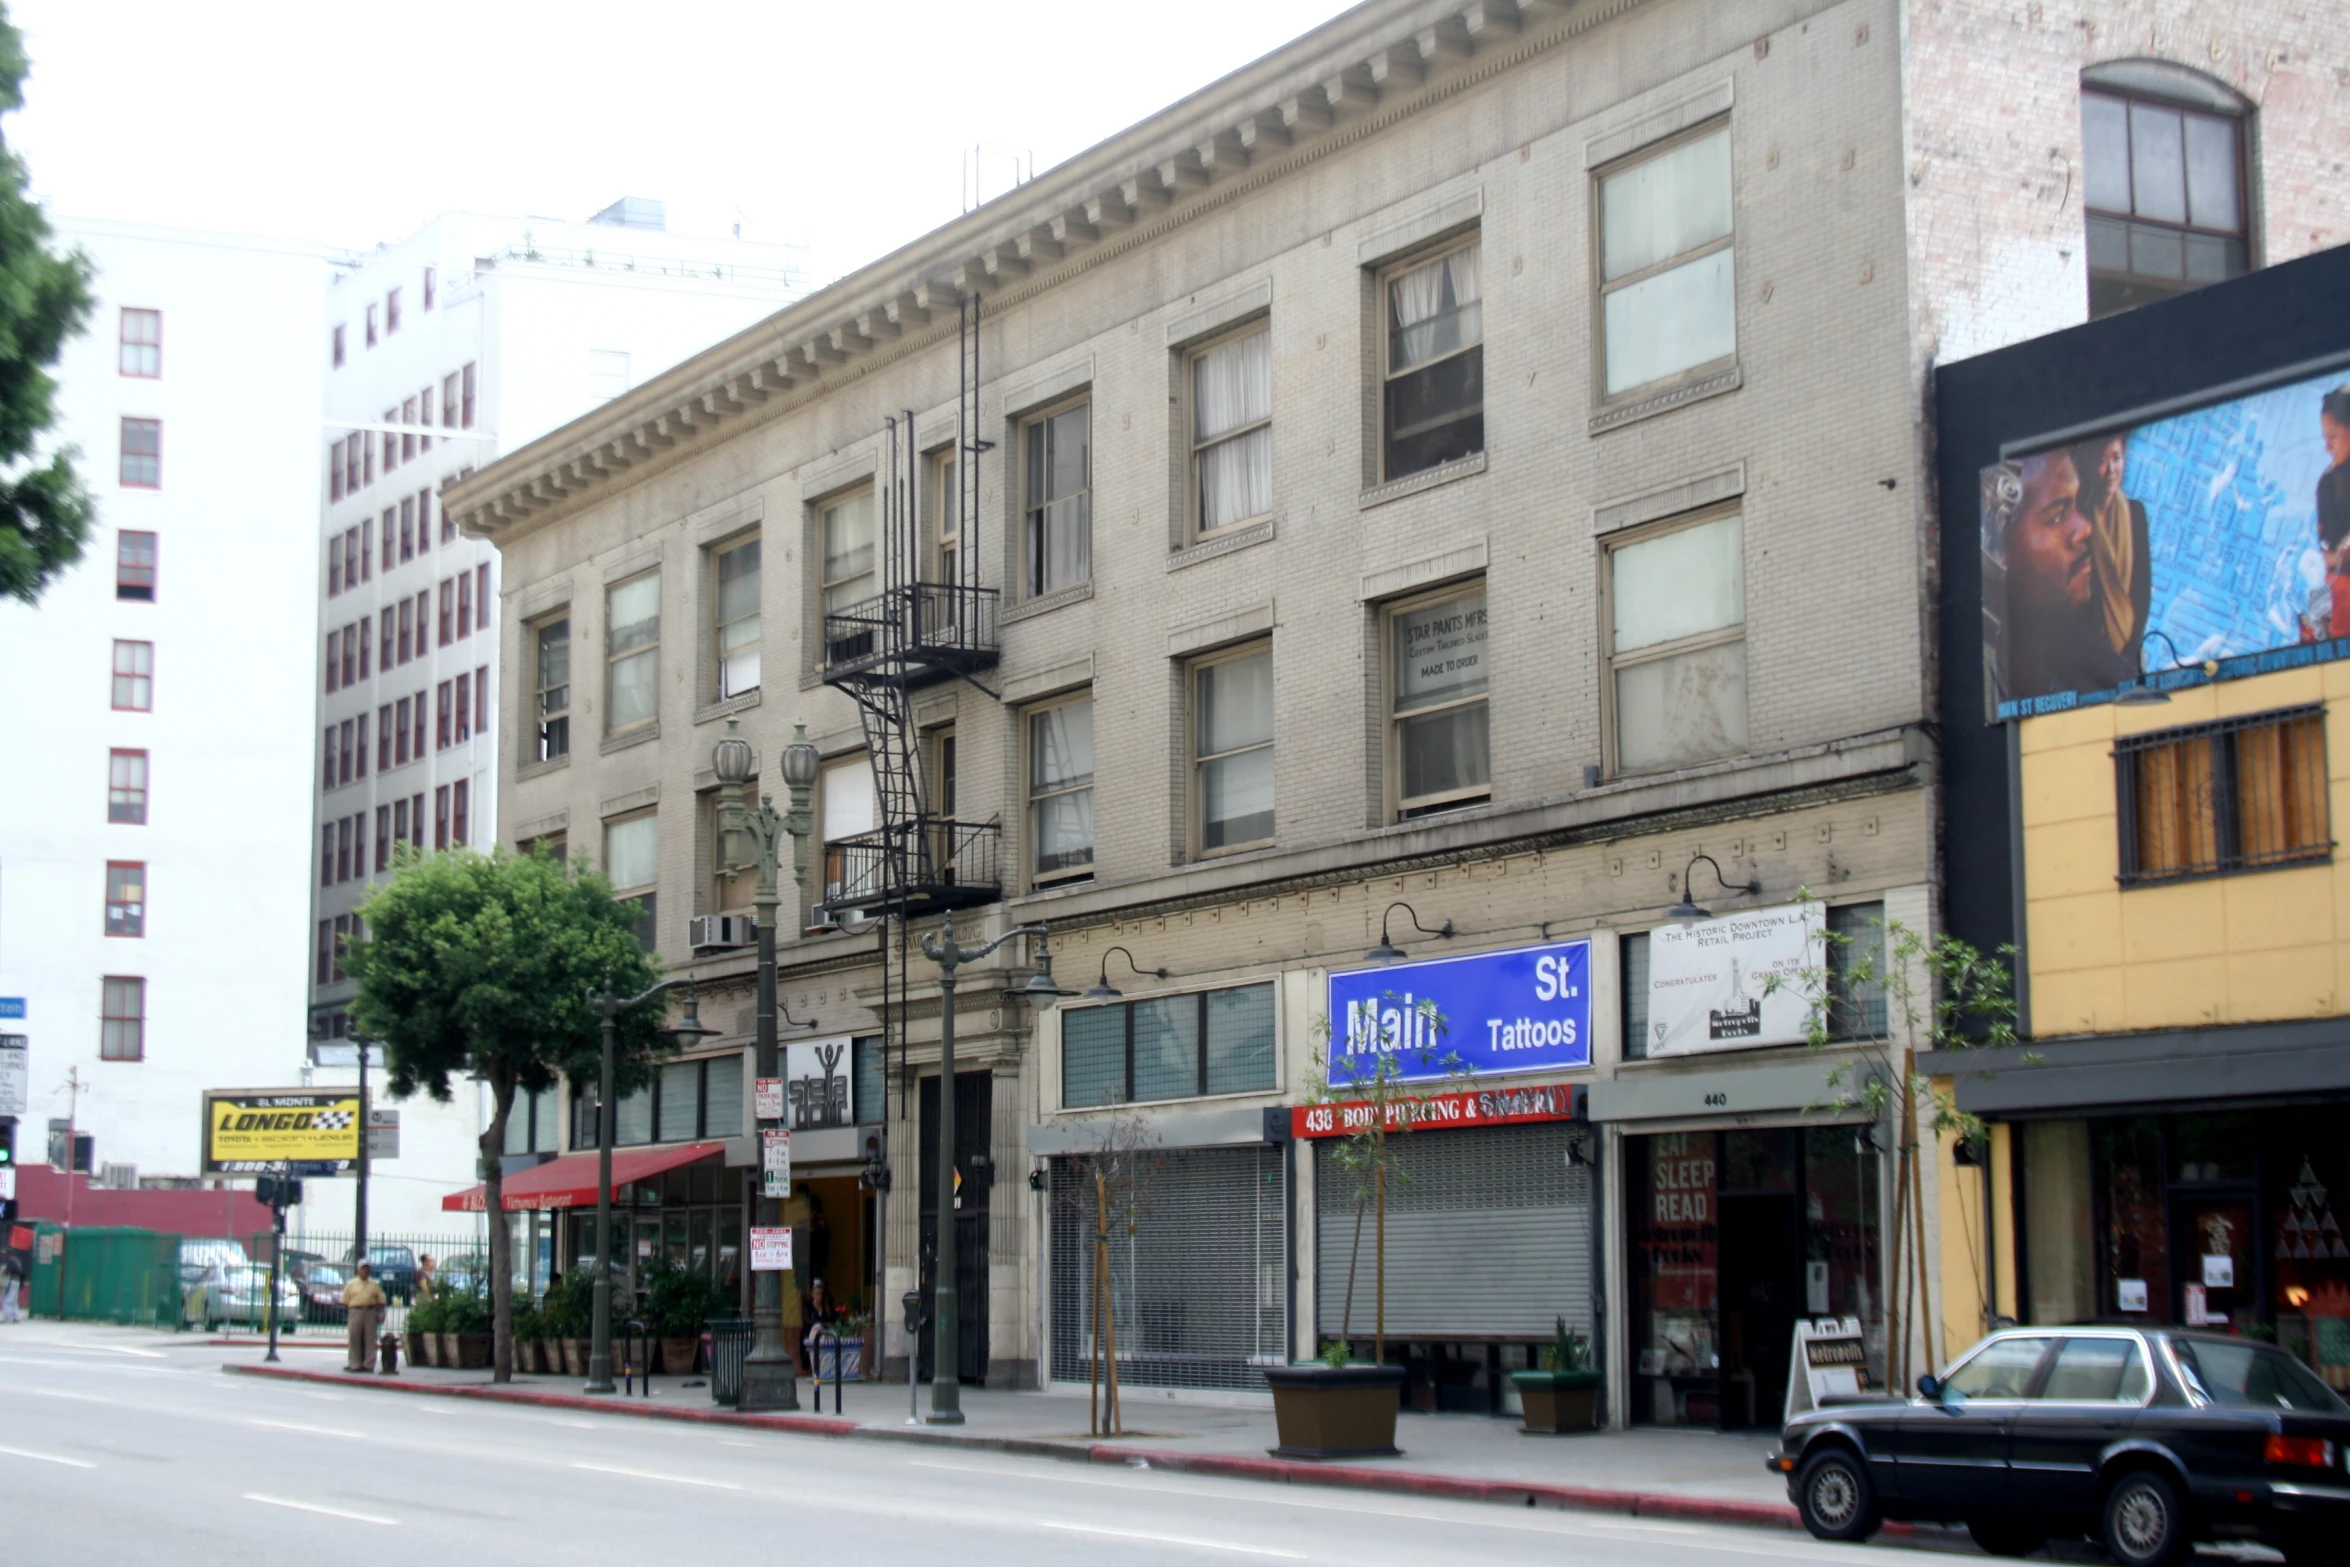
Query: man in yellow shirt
<point>363,1302</point>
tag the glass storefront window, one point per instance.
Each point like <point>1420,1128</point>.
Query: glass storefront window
<point>2136,1246</point>
<point>1675,1241</point>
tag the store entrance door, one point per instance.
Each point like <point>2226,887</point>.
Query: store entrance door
<point>1762,1274</point>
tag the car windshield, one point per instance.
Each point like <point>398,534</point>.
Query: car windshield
<point>1997,1370</point>
<point>2253,1376</point>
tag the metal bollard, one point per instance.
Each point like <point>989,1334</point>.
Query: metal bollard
<point>387,1353</point>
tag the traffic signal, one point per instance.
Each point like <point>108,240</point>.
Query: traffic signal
<point>277,1191</point>
<point>7,1140</point>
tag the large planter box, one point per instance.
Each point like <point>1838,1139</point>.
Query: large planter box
<point>1558,1403</point>
<point>575,1357</point>
<point>845,1364</point>
<point>677,1355</point>
<point>1336,1411</point>
<point>473,1350</point>
<point>415,1344</point>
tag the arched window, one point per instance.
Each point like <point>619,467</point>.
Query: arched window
<point>2169,209</point>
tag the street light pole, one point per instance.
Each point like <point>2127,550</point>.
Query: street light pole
<point>946,1377</point>
<point>608,1005</point>
<point>769,1379</point>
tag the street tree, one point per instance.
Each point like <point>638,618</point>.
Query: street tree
<point>1110,1191</point>
<point>479,966</point>
<point>44,299</point>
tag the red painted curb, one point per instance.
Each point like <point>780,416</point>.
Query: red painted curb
<point>1509,1493</point>
<point>1281,1471</point>
<point>806,1425</point>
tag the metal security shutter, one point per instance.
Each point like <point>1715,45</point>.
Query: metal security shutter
<point>1488,1235</point>
<point>1200,1285</point>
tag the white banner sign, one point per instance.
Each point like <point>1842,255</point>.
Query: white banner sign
<point>383,1134</point>
<point>775,1162</point>
<point>14,1051</point>
<point>770,1250</point>
<point>817,1082</point>
<point>1709,985</point>
<point>766,1098</point>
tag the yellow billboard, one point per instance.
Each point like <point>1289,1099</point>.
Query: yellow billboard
<point>264,1131</point>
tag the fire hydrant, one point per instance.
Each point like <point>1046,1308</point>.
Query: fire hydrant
<point>387,1359</point>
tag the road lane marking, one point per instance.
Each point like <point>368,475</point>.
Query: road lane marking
<point>1175,1539</point>
<point>648,1474</point>
<point>329,1512</point>
<point>289,1425</point>
<point>115,1349</point>
<point>79,1398</point>
<point>46,1458</point>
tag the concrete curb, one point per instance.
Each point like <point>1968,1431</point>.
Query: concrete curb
<point>1280,1471</point>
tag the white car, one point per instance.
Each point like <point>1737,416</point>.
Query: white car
<point>239,1292</point>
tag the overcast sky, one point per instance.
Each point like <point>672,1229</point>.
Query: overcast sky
<point>841,127</point>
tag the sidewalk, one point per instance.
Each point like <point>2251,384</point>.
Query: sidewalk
<point>1652,1473</point>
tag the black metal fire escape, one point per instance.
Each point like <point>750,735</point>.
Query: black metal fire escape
<point>916,632</point>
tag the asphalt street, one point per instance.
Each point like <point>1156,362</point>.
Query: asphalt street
<point>119,1447</point>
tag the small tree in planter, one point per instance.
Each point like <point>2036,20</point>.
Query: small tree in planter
<point>1340,1407</point>
<point>679,1303</point>
<point>1563,1396</point>
<point>567,1313</point>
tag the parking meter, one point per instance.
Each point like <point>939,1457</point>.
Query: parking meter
<point>914,1320</point>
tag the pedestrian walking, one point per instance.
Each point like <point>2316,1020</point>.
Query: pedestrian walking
<point>363,1302</point>
<point>11,1286</point>
<point>428,1283</point>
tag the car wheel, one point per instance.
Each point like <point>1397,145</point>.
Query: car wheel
<point>2006,1539</point>
<point>1835,1498</point>
<point>2144,1526</point>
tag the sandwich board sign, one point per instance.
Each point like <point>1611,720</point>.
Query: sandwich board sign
<point>1830,1358</point>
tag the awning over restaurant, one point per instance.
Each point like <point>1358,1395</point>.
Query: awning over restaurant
<point>570,1182</point>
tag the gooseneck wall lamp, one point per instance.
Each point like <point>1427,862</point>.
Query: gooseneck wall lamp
<point>1102,990</point>
<point>1687,912</point>
<point>1387,951</point>
<point>2141,691</point>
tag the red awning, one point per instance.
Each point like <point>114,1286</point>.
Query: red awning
<point>570,1182</point>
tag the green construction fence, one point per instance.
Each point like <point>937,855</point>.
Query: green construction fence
<point>103,1274</point>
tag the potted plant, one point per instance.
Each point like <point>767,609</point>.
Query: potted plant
<point>1336,1407</point>
<point>426,1320</point>
<point>678,1302</point>
<point>852,1328</point>
<point>1563,1396</point>
<point>566,1316</point>
<point>529,1331</point>
<point>465,1342</point>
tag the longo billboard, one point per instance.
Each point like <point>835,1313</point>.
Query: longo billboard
<point>266,1131</point>
<point>2219,536</point>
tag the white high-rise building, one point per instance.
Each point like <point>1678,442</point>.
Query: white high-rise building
<point>464,341</point>
<point>155,717</point>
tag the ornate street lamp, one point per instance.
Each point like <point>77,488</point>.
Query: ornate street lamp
<point>769,1381</point>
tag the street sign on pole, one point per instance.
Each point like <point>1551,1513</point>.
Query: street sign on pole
<point>775,1162</point>
<point>770,1249</point>
<point>15,1052</point>
<point>383,1133</point>
<point>12,1009</point>
<point>767,1099</point>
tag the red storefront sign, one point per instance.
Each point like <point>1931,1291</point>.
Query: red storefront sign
<point>1476,1107</point>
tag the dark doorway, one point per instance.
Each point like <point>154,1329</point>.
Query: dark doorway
<point>974,1106</point>
<point>1762,1274</point>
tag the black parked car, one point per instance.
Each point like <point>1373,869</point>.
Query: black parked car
<point>2146,1440</point>
<point>394,1268</point>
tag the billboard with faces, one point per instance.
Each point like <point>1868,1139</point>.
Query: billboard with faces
<point>2214,541</point>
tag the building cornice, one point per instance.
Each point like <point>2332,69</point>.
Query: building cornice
<point>1355,77</point>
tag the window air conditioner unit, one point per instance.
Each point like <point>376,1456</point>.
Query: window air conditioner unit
<point>119,1177</point>
<point>705,931</point>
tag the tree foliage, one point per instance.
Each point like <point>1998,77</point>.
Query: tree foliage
<point>479,966</point>
<point>44,299</point>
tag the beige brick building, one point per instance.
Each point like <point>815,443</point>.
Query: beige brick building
<point>1474,457</point>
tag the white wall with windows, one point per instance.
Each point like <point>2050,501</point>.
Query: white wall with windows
<point>153,878</point>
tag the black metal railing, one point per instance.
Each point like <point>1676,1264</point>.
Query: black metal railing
<point>931,625</point>
<point>948,865</point>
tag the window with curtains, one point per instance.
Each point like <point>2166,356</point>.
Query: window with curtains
<point>126,898</point>
<point>1438,740</point>
<point>1060,789</point>
<point>1668,276</point>
<point>734,618</point>
<point>407,527</point>
<point>1057,539</point>
<point>2163,177</point>
<point>2243,794</point>
<point>846,526</point>
<point>1168,1047</point>
<point>734,881</point>
<point>1232,750</point>
<point>142,454</point>
<point>845,809</point>
<point>1433,399</point>
<point>383,837</point>
<point>551,688</point>
<point>134,567</point>
<point>134,677</point>
<point>632,864</point>
<point>126,787</point>
<point>632,650</point>
<point>142,343</point>
<point>1232,430</point>
<point>122,1026</point>
<point>1677,644</point>
<point>946,521</point>
<point>681,1102</point>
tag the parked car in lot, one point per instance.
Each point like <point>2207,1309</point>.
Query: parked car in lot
<point>2145,1440</point>
<point>395,1269</point>
<point>239,1292</point>
<point>322,1293</point>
